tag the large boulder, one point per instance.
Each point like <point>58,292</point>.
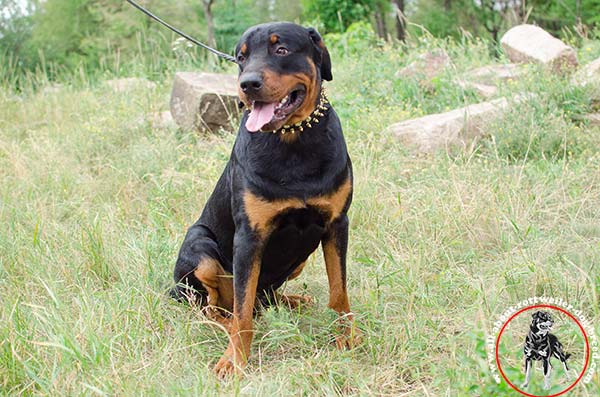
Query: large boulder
<point>486,80</point>
<point>529,43</point>
<point>494,74</point>
<point>53,89</point>
<point>588,75</point>
<point>129,84</point>
<point>426,67</point>
<point>483,90</point>
<point>456,127</point>
<point>204,101</point>
<point>593,119</point>
<point>162,120</point>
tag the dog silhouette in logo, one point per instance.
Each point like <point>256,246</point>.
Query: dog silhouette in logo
<point>541,345</point>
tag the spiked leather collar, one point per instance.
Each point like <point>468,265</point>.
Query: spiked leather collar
<point>308,122</point>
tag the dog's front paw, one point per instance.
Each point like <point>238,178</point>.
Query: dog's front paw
<point>215,314</point>
<point>226,367</point>
<point>524,385</point>
<point>547,385</point>
<point>294,301</point>
<point>349,337</point>
<point>568,375</point>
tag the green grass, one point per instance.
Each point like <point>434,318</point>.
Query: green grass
<point>94,204</point>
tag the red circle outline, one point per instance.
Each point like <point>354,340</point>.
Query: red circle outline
<point>587,350</point>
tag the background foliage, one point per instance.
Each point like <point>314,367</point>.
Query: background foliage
<point>109,36</point>
<point>95,198</point>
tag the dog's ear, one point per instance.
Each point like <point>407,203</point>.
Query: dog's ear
<point>322,57</point>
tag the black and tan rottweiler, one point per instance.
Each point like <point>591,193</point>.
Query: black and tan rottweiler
<point>286,188</point>
<point>541,345</point>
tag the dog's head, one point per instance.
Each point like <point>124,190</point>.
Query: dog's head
<point>541,322</point>
<point>281,68</point>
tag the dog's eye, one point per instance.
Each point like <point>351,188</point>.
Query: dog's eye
<point>282,51</point>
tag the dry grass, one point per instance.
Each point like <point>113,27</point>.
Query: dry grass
<point>94,203</point>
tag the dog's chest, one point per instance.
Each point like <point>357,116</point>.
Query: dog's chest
<point>539,347</point>
<point>292,229</point>
<point>294,236</point>
<point>264,216</point>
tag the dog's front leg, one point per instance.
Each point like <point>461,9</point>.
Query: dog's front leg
<point>547,374</point>
<point>246,270</point>
<point>335,245</point>
<point>527,373</point>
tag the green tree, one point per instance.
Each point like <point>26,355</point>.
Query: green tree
<point>59,29</point>
<point>16,24</point>
<point>337,15</point>
<point>94,33</point>
<point>232,18</point>
<point>554,15</point>
<point>436,18</point>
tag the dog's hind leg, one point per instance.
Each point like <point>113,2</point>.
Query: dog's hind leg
<point>566,368</point>
<point>547,373</point>
<point>527,373</point>
<point>563,359</point>
<point>560,354</point>
<point>200,275</point>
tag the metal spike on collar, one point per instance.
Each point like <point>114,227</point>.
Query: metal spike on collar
<point>307,122</point>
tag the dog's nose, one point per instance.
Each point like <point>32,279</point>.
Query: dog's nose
<point>251,82</point>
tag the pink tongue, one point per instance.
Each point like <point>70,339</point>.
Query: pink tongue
<point>260,115</point>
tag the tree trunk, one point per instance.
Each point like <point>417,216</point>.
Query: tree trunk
<point>492,17</point>
<point>400,19</point>
<point>380,21</point>
<point>206,5</point>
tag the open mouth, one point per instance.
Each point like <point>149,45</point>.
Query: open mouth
<point>270,116</point>
<point>545,326</point>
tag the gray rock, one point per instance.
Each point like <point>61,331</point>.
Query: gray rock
<point>456,127</point>
<point>529,43</point>
<point>589,74</point>
<point>591,71</point>
<point>162,120</point>
<point>483,90</point>
<point>494,74</point>
<point>204,101</point>
<point>426,67</point>
<point>486,80</point>
<point>129,84</point>
<point>593,119</point>
<point>52,89</point>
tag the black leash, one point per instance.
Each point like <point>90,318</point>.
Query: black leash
<point>179,32</point>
